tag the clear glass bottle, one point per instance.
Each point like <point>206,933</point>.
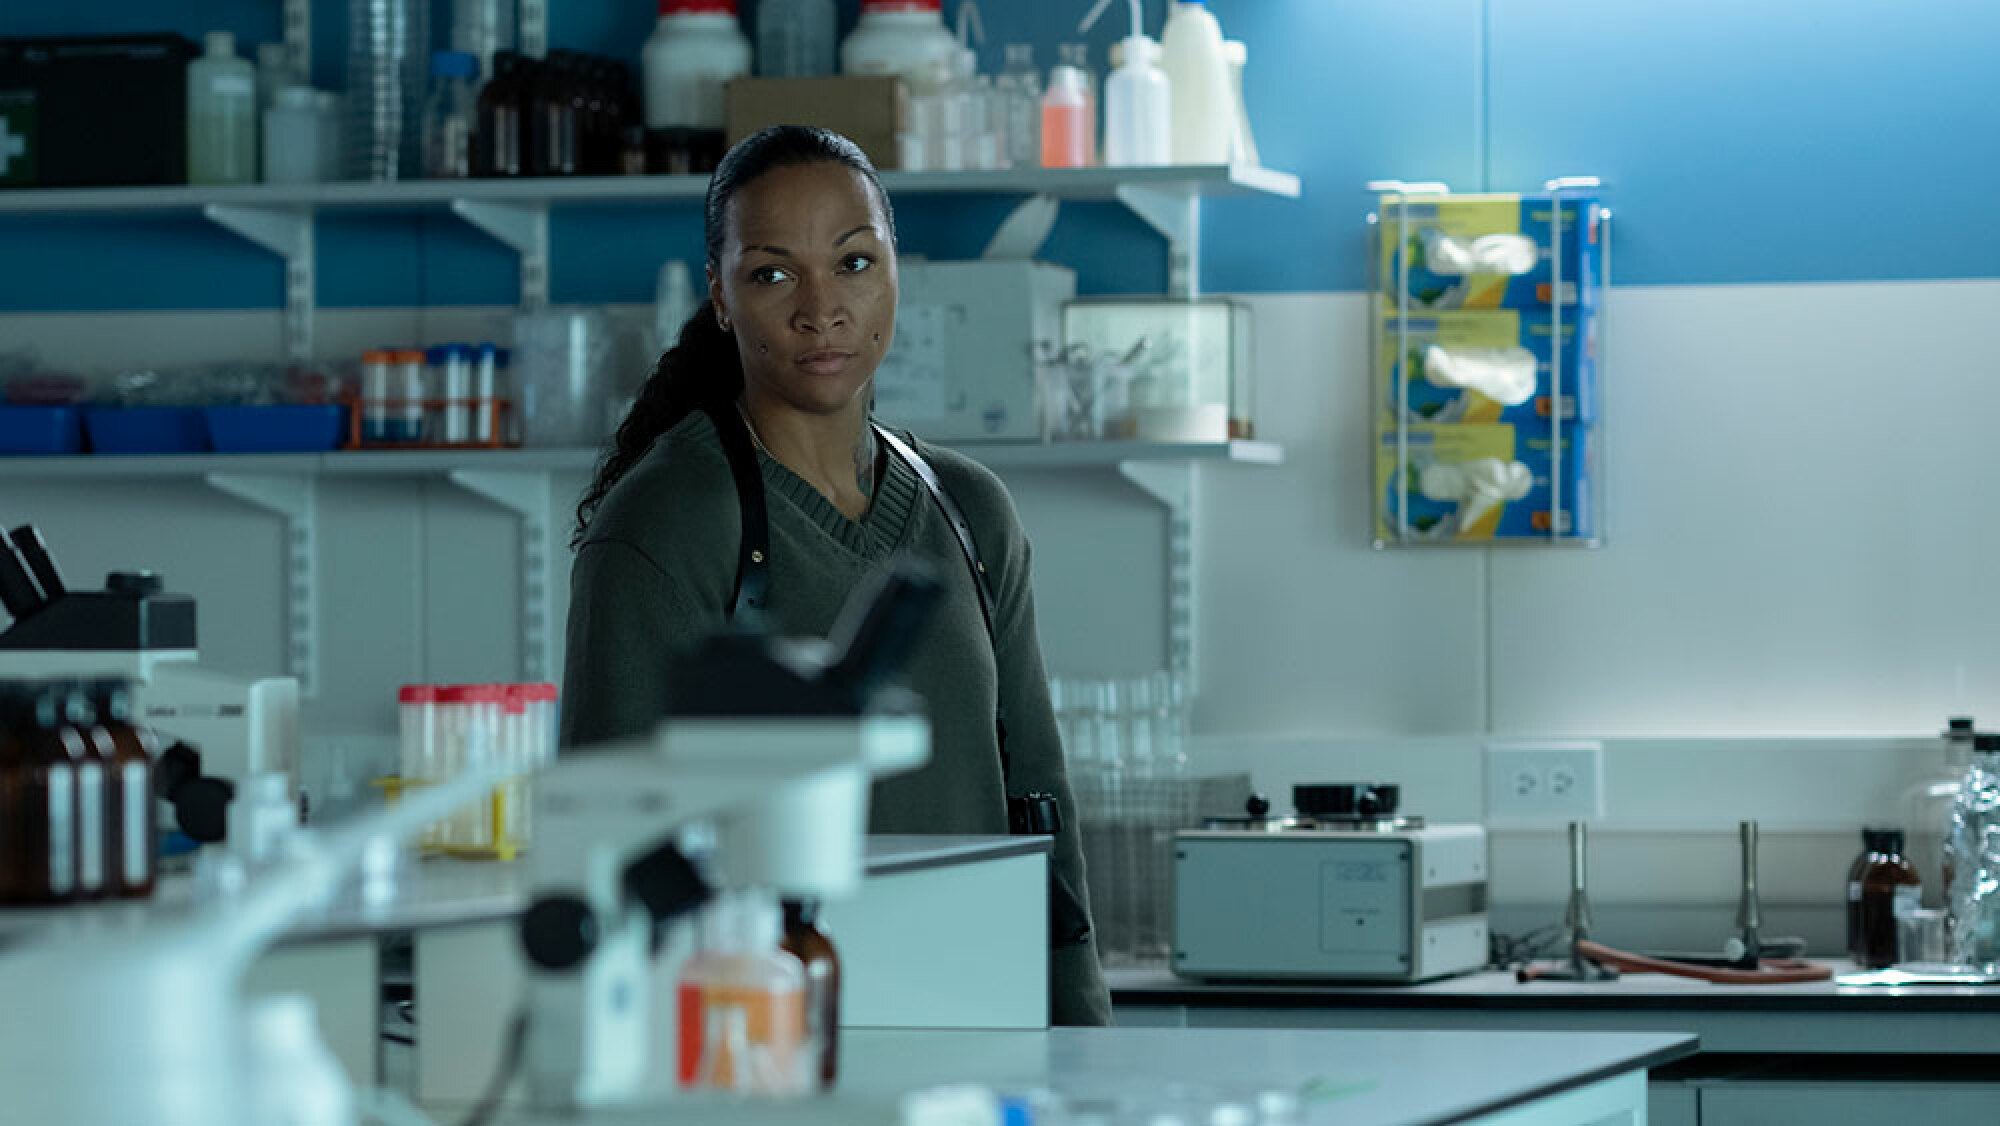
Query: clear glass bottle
<point>450,115</point>
<point>1020,90</point>
<point>1882,887</point>
<point>1928,804</point>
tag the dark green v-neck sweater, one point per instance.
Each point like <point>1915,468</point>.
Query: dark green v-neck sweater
<point>657,569</point>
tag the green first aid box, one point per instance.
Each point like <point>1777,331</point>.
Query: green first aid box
<point>94,112</point>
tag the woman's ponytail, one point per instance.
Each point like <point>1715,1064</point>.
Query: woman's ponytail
<point>702,369</point>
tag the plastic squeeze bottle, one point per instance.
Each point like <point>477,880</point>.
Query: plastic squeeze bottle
<point>1138,109</point>
<point>1204,118</point>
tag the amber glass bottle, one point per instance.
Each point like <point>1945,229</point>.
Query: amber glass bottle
<point>131,846</point>
<point>49,813</point>
<point>1882,887</point>
<point>15,769</point>
<point>805,941</point>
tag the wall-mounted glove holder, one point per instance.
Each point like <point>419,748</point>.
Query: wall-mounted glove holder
<point>1486,349</point>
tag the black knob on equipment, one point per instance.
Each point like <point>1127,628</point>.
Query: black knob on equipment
<point>559,932</point>
<point>137,584</point>
<point>1347,799</point>
<point>1257,806</point>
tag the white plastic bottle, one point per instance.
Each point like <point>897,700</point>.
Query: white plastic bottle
<point>222,115</point>
<point>695,49</point>
<point>742,1004</point>
<point>293,146</point>
<point>906,38</point>
<point>795,38</point>
<point>1204,112</point>
<point>1138,104</point>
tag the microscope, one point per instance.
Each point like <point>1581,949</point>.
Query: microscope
<point>772,746</point>
<point>222,729</point>
<point>769,744</point>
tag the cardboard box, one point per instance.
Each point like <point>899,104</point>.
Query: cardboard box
<point>1406,229</point>
<point>1433,519</point>
<point>963,364</point>
<point>94,111</point>
<point>1405,343</point>
<point>871,111</point>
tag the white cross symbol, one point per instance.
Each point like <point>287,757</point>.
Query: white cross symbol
<point>11,146</point>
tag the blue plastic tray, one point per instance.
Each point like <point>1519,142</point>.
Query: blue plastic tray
<point>40,431</point>
<point>276,429</point>
<point>146,430</point>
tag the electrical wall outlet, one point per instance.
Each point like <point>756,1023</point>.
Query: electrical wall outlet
<point>1535,783</point>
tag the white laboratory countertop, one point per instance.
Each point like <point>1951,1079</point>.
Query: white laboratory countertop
<point>1350,1078</point>
<point>441,893</point>
<point>1499,991</point>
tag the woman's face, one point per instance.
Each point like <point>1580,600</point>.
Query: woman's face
<point>807,283</point>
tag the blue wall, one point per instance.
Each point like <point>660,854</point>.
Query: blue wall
<point>1772,142</point>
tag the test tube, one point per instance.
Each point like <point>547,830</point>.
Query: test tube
<point>378,388</point>
<point>408,421</point>
<point>453,362</point>
<point>486,395</point>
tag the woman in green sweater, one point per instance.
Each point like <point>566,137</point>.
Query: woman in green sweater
<point>801,248</point>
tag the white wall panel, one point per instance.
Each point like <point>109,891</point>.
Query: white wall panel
<point>1802,522</point>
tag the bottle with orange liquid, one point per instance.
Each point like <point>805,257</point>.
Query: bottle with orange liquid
<point>742,1004</point>
<point>1066,131</point>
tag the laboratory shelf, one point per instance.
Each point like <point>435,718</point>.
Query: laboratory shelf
<point>422,463</point>
<point>416,195</point>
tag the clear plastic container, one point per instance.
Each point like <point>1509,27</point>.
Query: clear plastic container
<point>695,49</point>
<point>482,28</point>
<point>294,150</point>
<point>795,38</point>
<point>1019,89</point>
<point>1928,805</point>
<point>450,115</point>
<point>388,61</point>
<point>451,383</point>
<point>1185,366</point>
<point>221,115</point>
<point>419,728</point>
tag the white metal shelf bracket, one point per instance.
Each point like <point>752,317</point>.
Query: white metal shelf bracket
<point>523,226</point>
<point>1172,484</point>
<point>1176,214</point>
<point>292,498</point>
<point>288,233</point>
<point>527,496</point>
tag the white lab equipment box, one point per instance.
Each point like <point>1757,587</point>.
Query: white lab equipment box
<point>965,362</point>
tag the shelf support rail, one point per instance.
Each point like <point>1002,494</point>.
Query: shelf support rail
<point>288,233</point>
<point>525,228</point>
<point>1176,214</point>
<point>298,41</point>
<point>291,498</point>
<point>1173,486</point>
<point>526,495</point>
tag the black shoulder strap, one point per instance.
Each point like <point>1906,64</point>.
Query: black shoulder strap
<point>753,555</point>
<point>959,525</point>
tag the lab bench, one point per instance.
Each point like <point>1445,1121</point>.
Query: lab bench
<point>945,932</point>
<point>1771,1055</point>
<point>1124,1075</point>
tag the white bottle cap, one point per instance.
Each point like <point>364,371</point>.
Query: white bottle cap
<point>220,44</point>
<point>1068,80</point>
<point>760,923</point>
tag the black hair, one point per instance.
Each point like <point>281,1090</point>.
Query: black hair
<point>702,369</point>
